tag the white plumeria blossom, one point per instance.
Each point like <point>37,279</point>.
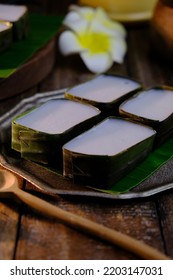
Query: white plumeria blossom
<point>99,41</point>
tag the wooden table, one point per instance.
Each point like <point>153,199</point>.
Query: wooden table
<point>26,234</point>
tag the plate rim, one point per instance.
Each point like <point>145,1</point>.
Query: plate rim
<point>40,98</point>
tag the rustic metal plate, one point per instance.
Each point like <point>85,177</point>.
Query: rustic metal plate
<point>51,182</point>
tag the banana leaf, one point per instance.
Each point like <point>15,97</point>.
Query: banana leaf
<point>40,133</point>
<point>104,154</point>
<point>6,35</point>
<point>42,29</point>
<point>152,107</point>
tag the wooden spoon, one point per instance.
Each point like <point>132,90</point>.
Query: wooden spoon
<point>9,185</point>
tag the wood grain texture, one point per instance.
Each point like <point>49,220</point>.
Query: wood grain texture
<point>165,212</point>
<point>149,220</point>
<point>138,220</point>
<point>9,223</point>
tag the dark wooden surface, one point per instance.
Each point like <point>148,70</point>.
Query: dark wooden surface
<point>26,234</point>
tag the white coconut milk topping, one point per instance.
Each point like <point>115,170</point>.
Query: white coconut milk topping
<point>104,88</point>
<point>11,12</point>
<point>57,116</point>
<point>154,104</point>
<point>110,137</point>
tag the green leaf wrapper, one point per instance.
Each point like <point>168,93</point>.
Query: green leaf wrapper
<point>42,29</point>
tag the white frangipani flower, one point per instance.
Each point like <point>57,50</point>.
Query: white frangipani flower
<point>97,16</point>
<point>99,41</point>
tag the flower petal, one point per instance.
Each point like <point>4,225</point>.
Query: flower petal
<point>97,63</point>
<point>71,17</point>
<point>118,49</point>
<point>68,43</point>
<point>87,13</point>
<point>75,22</point>
<point>99,40</point>
<point>102,22</point>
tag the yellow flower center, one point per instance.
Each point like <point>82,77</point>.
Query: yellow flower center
<point>89,16</point>
<point>95,42</point>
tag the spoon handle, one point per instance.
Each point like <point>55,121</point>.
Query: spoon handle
<point>88,226</point>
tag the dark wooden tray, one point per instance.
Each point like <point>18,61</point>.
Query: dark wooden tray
<point>30,73</point>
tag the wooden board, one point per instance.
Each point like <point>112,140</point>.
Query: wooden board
<point>30,73</point>
<point>147,219</point>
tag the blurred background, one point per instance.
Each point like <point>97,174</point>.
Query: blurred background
<point>53,7</point>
